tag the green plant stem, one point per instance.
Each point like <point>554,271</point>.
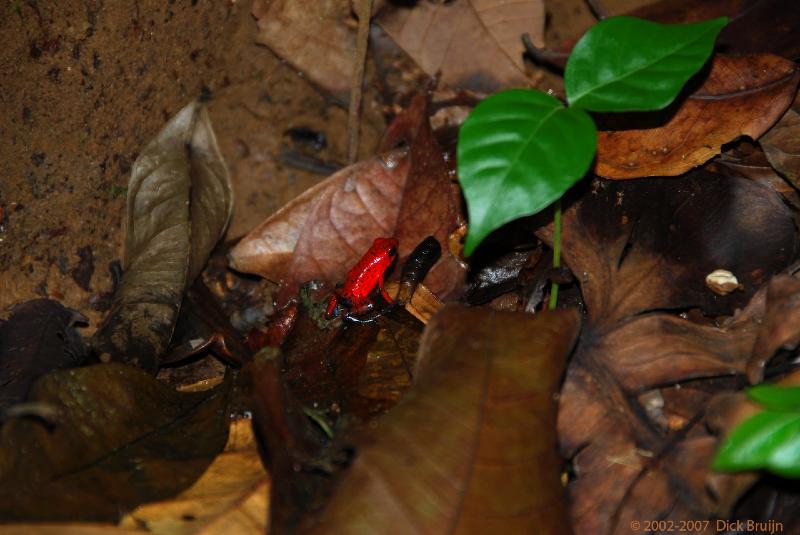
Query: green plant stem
<point>556,253</point>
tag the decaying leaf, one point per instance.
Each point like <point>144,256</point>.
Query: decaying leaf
<point>313,36</point>
<point>638,250</point>
<point>740,96</point>
<point>469,44</point>
<point>39,337</point>
<point>782,145</point>
<point>179,202</point>
<point>230,497</point>
<point>121,438</point>
<point>405,192</point>
<point>472,447</point>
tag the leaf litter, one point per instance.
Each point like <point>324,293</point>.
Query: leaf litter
<point>359,426</point>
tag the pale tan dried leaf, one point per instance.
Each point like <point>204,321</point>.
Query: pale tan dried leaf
<point>179,202</point>
<point>313,36</point>
<point>470,45</point>
<point>507,20</point>
<point>231,497</point>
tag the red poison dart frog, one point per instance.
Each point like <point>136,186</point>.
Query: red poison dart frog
<point>365,276</point>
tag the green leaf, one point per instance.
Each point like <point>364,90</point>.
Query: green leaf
<point>518,151</point>
<point>769,440</point>
<point>630,64</point>
<point>776,398</point>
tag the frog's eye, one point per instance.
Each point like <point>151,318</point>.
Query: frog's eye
<point>393,251</point>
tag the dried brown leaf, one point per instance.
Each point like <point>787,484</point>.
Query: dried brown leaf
<point>405,192</point>
<point>782,145</point>
<point>740,96</point>
<point>638,249</point>
<point>469,44</point>
<point>471,450</point>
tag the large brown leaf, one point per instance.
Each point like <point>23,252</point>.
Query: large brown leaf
<point>469,44</point>
<point>121,439</point>
<point>638,445</point>
<point>179,202</point>
<point>405,193</point>
<point>472,449</point>
<point>740,96</point>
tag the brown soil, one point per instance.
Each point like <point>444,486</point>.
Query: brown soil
<point>84,84</point>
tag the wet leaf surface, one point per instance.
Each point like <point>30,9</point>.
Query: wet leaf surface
<point>474,44</point>
<point>472,448</point>
<point>405,193</point>
<point>179,202</point>
<point>121,438</point>
<point>39,337</point>
<point>740,96</point>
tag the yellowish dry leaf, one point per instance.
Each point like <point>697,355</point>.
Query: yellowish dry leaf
<point>66,529</point>
<point>231,497</point>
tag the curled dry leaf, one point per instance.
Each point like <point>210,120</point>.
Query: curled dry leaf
<point>740,96</point>
<point>313,36</point>
<point>468,44</point>
<point>39,337</point>
<point>782,145</point>
<point>179,202</point>
<point>405,192</point>
<point>230,497</point>
<point>105,454</point>
<point>638,249</point>
<point>472,447</point>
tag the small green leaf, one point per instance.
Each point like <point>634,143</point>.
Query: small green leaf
<point>776,398</point>
<point>769,440</point>
<point>518,151</point>
<point>630,64</point>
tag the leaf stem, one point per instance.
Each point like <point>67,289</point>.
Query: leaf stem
<point>556,253</point>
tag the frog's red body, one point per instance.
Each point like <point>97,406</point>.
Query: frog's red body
<point>363,278</point>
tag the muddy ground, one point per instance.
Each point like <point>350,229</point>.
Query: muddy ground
<point>85,84</point>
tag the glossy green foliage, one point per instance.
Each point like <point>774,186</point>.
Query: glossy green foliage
<point>769,439</point>
<point>630,64</point>
<point>519,151</point>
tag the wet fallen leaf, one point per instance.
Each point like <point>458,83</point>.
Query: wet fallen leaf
<point>336,377</point>
<point>472,448</point>
<point>121,439</point>
<point>230,497</point>
<point>313,36</point>
<point>39,337</point>
<point>468,44</point>
<point>782,145</point>
<point>179,202</point>
<point>406,193</point>
<point>740,96</point>
<point>640,249</point>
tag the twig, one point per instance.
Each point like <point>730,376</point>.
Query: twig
<point>364,13</point>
